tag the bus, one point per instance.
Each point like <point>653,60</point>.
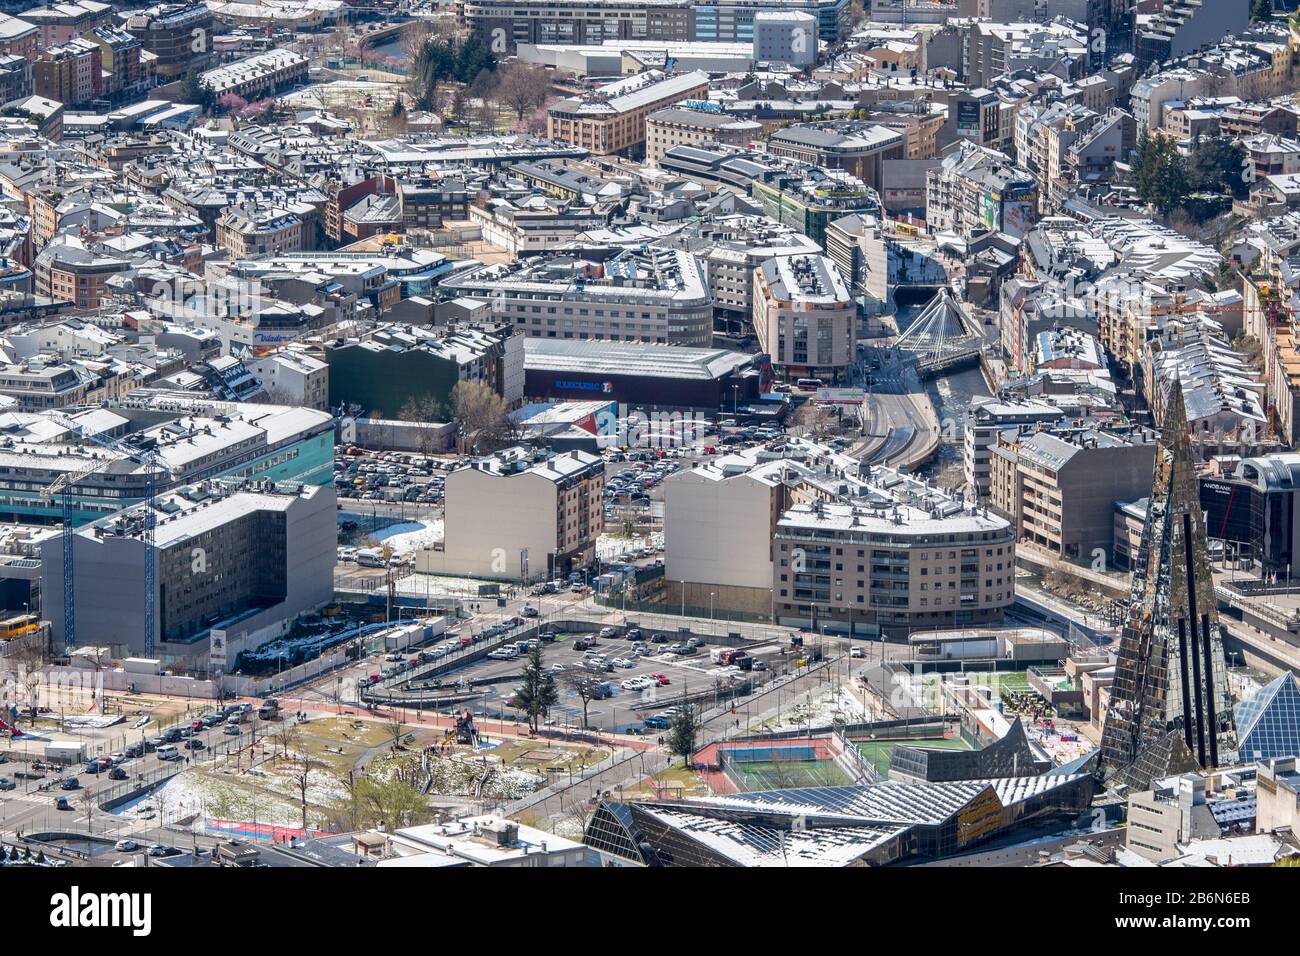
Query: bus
<point>18,626</point>
<point>810,384</point>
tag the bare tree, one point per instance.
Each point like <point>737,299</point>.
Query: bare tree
<point>584,686</point>
<point>395,726</point>
<point>482,417</point>
<point>303,768</point>
<point>424,411</point>
<point>523,87</point>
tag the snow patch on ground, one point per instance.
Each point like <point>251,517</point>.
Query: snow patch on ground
<point>610,547</point>
<point>407,536</point>
<point>837,706</point>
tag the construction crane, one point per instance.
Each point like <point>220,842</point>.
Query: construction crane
<point>64,485</point>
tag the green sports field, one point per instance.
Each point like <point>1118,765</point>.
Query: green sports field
<point>780,774</point>
<point>878,752</point>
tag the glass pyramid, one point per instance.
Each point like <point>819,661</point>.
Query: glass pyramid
<point>1268,724</point>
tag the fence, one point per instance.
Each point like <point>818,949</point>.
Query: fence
<point>850,758</point>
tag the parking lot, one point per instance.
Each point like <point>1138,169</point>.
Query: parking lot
<point>639,677</point>
<point>390,475</point>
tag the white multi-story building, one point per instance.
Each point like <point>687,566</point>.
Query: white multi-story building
<point>804,316</point>
<point>290,376</point>
<point>654,296</point>
<point>785,36</point>
<point>520,515</point>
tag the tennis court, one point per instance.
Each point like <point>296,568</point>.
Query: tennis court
<point>779,766</point>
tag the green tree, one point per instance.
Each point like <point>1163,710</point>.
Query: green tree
<point>1161,174</point>
<point>537,694</point>
<point>1217,165</point>
<point>193,90</point>
<point>683,732</point>
<point>1261,10</point>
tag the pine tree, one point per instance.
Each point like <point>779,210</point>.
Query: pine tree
<point>681,735</point>
<point>537,694</point>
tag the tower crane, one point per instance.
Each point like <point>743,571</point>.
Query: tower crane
<point>63,487</point>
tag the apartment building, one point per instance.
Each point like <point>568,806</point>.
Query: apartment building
<point>612,118</point>
<point>1059,486</point>
<point>236,560</point>
<point>984,420</point>
<point>71,73</point>
<point>653,295</point>
<point>120,59</point>
<point>18,37</point>
<point>520,515</point>
<point>974,189</point>
<point>179,35</point>
<point>681,126</point>
<point>1183,26</point>
<point>257,76</point>
<point>262,231</point>
<point>15,78</point>
<point>289,376</point>
<point>68,19</point>
<point>69,271</point>
<point>804,317</point>
<point>382,370</point>
<point>901,557</point>
<point>720,519</point>
<point>731,248</point>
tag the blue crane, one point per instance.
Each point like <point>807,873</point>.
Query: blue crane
<point>64,485</point>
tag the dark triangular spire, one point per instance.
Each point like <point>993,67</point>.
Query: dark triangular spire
<point>1170,676</point>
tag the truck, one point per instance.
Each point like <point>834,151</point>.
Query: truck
<point>64,752</point>
<point>270,709</point>
<point>724,655</point>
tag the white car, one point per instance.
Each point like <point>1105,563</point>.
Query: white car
<point>608,632</point>
<point>622,662</point>
<point>631,684</point>
<point>556,668</point>
<point>125,846</point>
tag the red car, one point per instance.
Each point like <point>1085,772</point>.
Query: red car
<point>660,679</point>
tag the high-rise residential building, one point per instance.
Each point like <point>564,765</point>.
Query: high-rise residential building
<point>1058,486</point>
<point>180,35</point>
<point>1169,709</point>
<point>243,560</point>
<point>804,316</point>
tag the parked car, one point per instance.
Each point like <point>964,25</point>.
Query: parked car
<point>117,773</point>
<point>126,846</point>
